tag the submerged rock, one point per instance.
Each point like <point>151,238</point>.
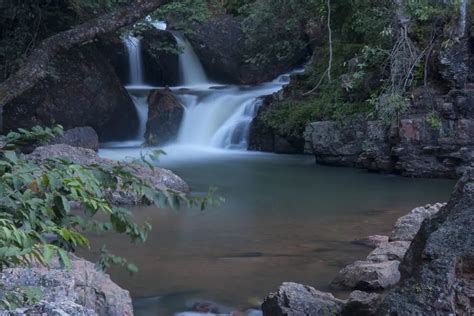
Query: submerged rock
<point>157,177</point>
<point>294,299</point>
<point>368,276</point>
<point>165,114</point>
<point>82,290</point>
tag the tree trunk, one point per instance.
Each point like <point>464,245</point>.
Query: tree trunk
<point>36,66</point>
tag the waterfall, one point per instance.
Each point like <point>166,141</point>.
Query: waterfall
<point>141,106</point>
<point>135,61</point>
<point>191,71</point>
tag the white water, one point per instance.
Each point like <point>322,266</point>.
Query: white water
<point>191,71</point>
<point>135,61</point>
<point>215,117</point>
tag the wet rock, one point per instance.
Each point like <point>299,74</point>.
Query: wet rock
<point>368,276</point>
<point>294,299</point>
<point>362,304</point>
<point>162,67</point>
<point>394,250</point>
<point>80,291</point>
<point>156,177</point>
<point>373,241</point>
<point>165,114</point>
<point>408,226</point>
<point>81,90</point>
<point>438,269</point>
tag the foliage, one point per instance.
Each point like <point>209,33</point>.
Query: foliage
<point>182,14</point>
<point>273,29</point>
<point>37,221</point>
<point>433,120</point>
<point>390,106</point>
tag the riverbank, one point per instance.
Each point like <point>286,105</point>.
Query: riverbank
<point>424,266</point>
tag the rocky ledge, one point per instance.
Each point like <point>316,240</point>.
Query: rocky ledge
<point>81,290</point>
<point>424,267</point>
<point>158,178</point>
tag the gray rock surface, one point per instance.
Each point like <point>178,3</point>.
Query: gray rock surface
<point>438,269</point>
<point>294,299</point>
<point>158,177</point>
<point>408,226</point>
<point>165,114</point>
<point>362,304</point>
<point>394,250</point>
<point>81,290</point>
<point>84,137</point>
<point>368,276</point>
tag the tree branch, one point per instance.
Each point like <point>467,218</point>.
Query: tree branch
<point>36,66</point>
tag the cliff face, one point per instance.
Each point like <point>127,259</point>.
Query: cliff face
<point>434,138</point>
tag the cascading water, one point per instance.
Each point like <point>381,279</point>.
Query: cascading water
<point>215,116</point>
<point>135,61</point>
<point>190,69</point>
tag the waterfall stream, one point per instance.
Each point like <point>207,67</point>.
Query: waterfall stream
<point>216,116</point>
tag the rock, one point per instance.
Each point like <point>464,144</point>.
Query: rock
<point>408,226</point>
<point>158,178</point>
<point>165,114</point>
<point>267,139</point>
<point>84,137</point>
<point>336,143</point>
<point>81,90</point>
<point>294,299</point>
<point>362,304</point>
<point>80,291</point>
<point>368,276</point>
<point>220,45</point>
<point>114,50</point>
<point>373,241</point>
<point>394,250</point>
<point>162,67</point>
<point>438,269</point>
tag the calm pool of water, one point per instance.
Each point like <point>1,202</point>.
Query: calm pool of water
<point>284,219</point>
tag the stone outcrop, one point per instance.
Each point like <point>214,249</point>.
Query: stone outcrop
<point>438,270</point>
<point>267,139</point>
<point>81,290</point>
<point>156,177</point>
<point>162,66</point>
<point>165,114</point>
<point>429,141</point>
<point>294,299</point>
<point>220,45</point>
<point>361,304</point>
<point>82,90</point>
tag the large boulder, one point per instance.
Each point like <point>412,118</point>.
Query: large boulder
<point>84,137</point>
<point>438,269</point>
<point>162,65</point>
<point>161,179</point>
<point>220,45</point>
<point>362,304</point>
<point>165,114</point>
<point>294,299</point>
<point>82,89</point>
<point>81,290</point>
